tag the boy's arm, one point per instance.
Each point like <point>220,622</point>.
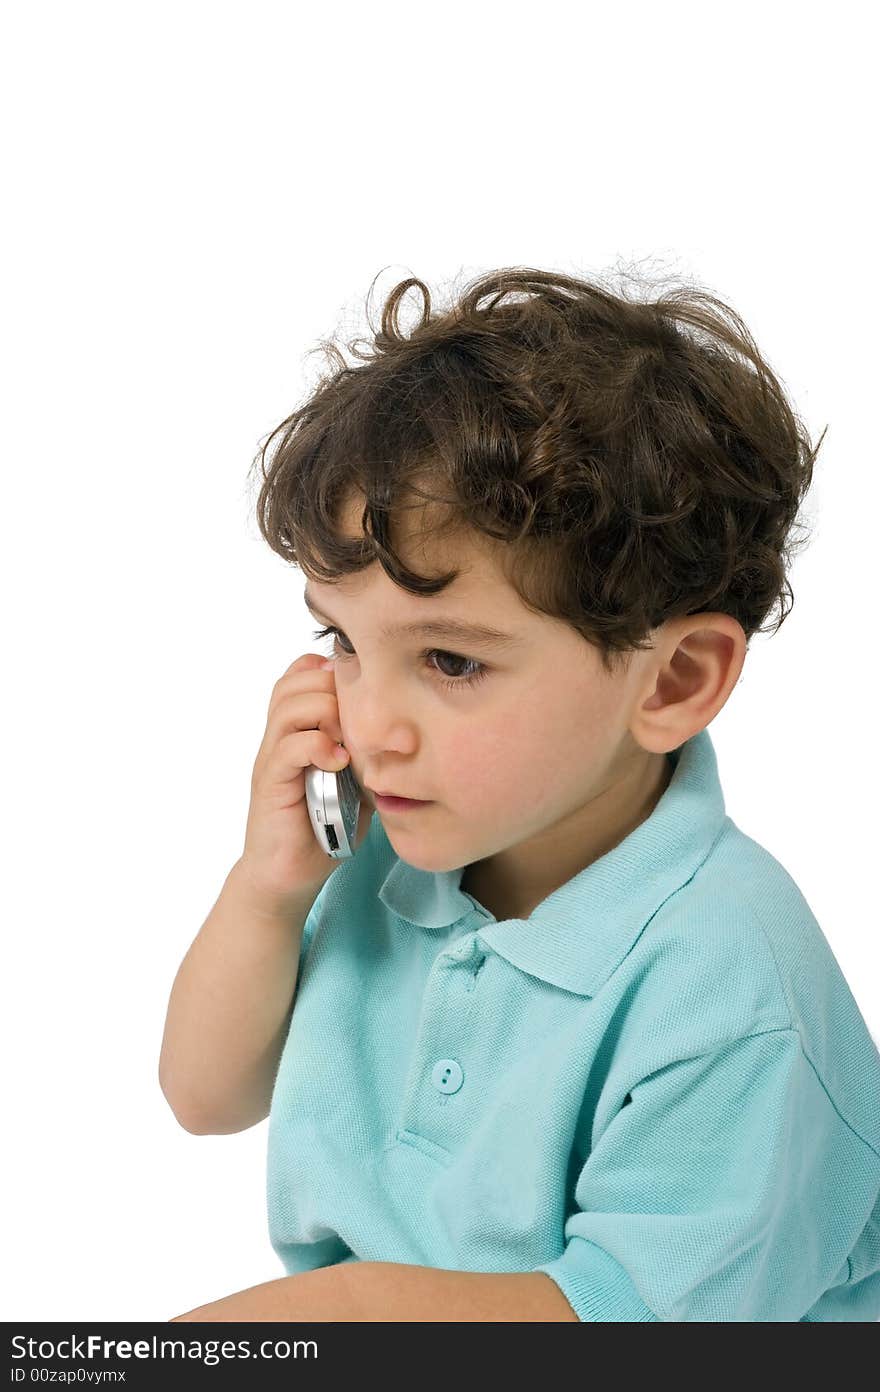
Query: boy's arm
<point>393,1292</point>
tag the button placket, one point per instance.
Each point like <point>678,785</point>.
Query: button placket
<point>479,959</point>
<point>445,1075</point>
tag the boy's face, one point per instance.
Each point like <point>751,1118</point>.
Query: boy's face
<point>530,770</point>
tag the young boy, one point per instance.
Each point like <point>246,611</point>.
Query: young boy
<point>559,1041</point>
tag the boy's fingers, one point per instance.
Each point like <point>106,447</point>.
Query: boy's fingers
<point>306,660</point>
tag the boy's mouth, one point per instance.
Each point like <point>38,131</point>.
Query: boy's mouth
<point>398,804</point>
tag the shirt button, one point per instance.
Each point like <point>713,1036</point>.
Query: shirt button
<point>447,1076</point>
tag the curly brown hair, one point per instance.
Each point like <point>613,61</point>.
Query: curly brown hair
<point>638,455</point>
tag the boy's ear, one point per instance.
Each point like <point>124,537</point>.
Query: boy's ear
<point>689,674</point>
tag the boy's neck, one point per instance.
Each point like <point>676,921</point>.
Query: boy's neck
<point>503,885</point>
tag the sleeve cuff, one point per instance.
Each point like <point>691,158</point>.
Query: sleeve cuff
<point>595,1285</point>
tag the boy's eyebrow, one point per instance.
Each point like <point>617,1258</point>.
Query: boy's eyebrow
<point>441,627</point>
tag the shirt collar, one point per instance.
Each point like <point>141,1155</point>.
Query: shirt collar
<point>579,934</point>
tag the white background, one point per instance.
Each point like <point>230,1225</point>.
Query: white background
<point>195,195</point>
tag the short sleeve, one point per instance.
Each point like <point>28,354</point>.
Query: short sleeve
<point>309,927</point>
<point>350,879</point>
<point>726,1187</point>
<point>308,933</point>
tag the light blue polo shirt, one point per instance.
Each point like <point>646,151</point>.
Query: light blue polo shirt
<point>658,1088</point>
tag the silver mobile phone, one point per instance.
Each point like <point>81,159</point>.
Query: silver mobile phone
<point>334,803</point>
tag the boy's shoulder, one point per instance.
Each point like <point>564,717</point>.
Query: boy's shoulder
<point>737,951</point>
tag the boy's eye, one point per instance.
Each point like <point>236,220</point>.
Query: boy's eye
<point>477,673</point>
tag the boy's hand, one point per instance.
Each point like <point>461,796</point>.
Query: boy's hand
<point>281,854</point>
